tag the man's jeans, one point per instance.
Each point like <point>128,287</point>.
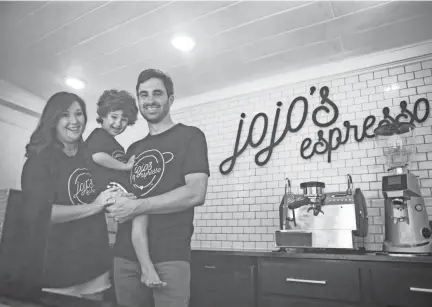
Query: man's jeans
<point>131,292</point>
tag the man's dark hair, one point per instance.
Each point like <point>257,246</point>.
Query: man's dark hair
<point>158,74</point>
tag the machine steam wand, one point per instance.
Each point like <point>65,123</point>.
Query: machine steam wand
<point>350,184</point>
<point>286,206</point>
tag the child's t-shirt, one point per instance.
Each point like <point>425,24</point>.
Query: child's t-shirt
<point>101,141</point>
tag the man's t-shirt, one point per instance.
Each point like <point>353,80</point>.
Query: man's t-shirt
<point>101,141</point>
<point>161,163</point>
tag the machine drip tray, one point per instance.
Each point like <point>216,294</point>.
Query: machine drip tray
<point>392,254</point>
<point>318,250</point>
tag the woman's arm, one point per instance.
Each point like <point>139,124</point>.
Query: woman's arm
<point>62,214</point>
<point>37,182</point>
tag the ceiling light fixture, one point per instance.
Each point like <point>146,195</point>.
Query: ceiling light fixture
<point>183,43</point>
<point>75,83</point>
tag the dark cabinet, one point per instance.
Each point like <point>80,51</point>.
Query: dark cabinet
<point>264,280</point>
<point>222,281</point>
<point>402,286</point>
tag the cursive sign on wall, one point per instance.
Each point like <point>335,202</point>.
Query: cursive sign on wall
<point>324,145</point>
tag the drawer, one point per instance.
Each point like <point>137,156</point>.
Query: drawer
<point>321,279</point>
<point>224,281</point>
<point>224,263</point>
<point>219,280</point>
<point>299,302</point>
<point>402,286</point>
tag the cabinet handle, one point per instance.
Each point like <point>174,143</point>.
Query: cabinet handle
<point>307,281</point>
<point>424,290</point>
<point>210,267</point>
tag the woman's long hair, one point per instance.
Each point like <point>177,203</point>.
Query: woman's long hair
<point>45,133</point>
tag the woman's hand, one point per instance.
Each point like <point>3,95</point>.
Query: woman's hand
<point>121,191</point>
<point>106,198</point>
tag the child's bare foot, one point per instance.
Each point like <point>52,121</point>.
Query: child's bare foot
<point>151,279</point>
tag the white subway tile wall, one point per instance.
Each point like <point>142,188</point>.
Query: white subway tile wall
<point>241,208</point>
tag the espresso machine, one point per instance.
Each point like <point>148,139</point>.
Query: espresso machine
<point>407,228</point>
<point>315,219</point>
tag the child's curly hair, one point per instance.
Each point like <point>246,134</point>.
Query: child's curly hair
<point>114,100</point>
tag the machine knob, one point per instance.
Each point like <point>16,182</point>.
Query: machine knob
<point>419,207</point>
<point>426,232</point>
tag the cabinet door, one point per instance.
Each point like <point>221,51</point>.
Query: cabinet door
<point>407,287</point>
<point>297,302</point>
<point>222,281</point>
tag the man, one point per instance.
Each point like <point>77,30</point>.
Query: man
<point>170,177</point>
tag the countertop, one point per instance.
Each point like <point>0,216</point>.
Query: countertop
<point>328,254</point>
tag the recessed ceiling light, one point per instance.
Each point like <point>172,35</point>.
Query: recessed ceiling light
<point>183,43</point>
<point>75,83</point>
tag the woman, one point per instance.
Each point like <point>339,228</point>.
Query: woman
<point>77,259</point>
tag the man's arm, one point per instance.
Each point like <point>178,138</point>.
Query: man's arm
<point>190,195</point>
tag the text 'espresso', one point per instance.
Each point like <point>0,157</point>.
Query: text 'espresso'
<point>327,142</point>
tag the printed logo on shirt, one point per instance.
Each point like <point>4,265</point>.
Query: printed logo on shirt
<point>148,169</point>
<point>80,186</point>
<point>119,155</point>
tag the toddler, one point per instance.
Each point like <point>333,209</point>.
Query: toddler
<point>116,111</point>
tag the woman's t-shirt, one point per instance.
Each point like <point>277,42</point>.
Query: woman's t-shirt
<point>77,251</point>
<point>101,141</point>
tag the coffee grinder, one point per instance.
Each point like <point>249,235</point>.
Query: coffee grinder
<point>407,228</point>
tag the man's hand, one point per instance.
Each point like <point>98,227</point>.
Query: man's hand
<point>128,195</point>
<point>123,210</point>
